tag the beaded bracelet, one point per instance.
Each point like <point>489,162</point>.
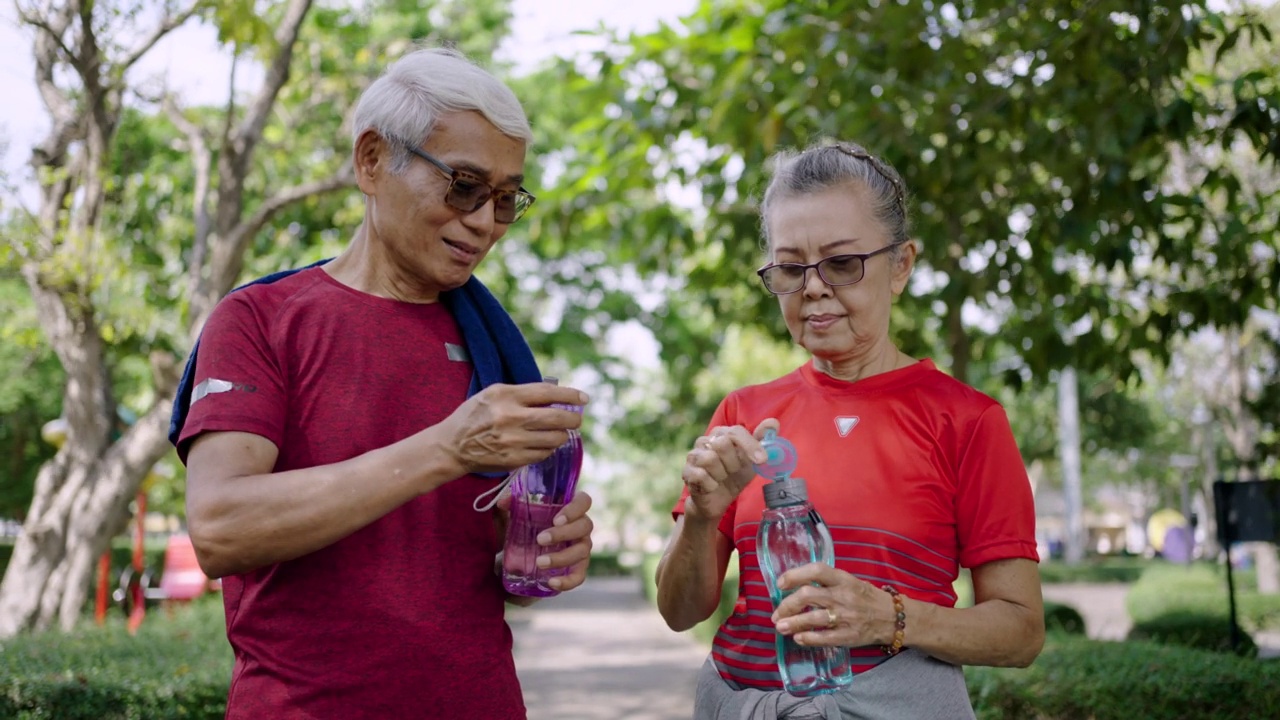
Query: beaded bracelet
<point>899,623</point>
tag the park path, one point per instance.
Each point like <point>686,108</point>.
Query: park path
<point>602,652</point>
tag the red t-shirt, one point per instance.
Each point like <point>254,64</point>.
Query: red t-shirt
<point>914,473</point>
<point>403,618</point>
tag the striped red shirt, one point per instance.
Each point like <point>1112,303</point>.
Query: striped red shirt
<point>915,473</point>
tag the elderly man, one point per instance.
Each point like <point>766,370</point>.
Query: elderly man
<point>339,422</point>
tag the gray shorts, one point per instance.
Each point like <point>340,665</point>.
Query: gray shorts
<point>907,686</point>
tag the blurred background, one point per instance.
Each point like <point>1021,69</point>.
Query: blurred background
<point>1094,185</point>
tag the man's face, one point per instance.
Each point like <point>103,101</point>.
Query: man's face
<point>429,246</point>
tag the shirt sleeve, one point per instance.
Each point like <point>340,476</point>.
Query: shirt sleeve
<point>722,416</point>
<point>239,384</point>
<point>995,509</point>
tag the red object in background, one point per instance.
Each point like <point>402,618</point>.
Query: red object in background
<point>139,593</point>
<point>100,602</point>
<point>182,579</point>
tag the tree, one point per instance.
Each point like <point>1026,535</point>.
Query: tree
<point>1035,138</point>
<point>182,202</point>
<point>82,494</point>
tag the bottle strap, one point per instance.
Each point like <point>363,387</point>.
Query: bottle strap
<point>496,491</point>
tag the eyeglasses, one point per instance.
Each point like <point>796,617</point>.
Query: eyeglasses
<point>467,193</point>
<point>837,270</point>
<point>899,195</point>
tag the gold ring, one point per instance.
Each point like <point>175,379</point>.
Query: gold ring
<point>832,618</point>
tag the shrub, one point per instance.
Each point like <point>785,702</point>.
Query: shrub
<point>1060,618</point>
<point>1193,630</point>
<point>1076,678</point>
<point>1200,588</point>
<point>1118,569</point>
<point>174,667</point>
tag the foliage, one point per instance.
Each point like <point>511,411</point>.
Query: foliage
<point>1061,618</point>
<point>1077,678</point>
<point>1193,630</point>
<point>1199,589</point>
<point>29,369</point>
<point>1035,138</point>
<point>1097,570</point>
<point>178,667</point>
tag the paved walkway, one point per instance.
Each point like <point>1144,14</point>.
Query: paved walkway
<point>602,652</point>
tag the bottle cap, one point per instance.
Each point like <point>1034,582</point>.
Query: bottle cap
<point>780,462</point>
<point>781,457</point>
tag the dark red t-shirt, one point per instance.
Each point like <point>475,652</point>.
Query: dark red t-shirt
<point>403,618</point>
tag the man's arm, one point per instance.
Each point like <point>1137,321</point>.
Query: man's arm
<point>242,516</point>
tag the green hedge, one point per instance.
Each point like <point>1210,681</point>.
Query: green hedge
<point>176,667</point>
<point>1194,630</point>
<point>1075,678</point>
<point>1199,589</point>
<point>1061,618</point>
<point>1118,569</point>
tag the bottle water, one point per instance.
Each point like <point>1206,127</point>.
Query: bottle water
<point>792,534</point>
<point>538,493</point>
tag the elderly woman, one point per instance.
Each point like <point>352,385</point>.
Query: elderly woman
<point>915,473</point>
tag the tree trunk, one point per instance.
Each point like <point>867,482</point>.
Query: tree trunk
<point>1069,452</point>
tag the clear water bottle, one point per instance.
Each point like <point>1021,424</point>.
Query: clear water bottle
<point>792,534</point>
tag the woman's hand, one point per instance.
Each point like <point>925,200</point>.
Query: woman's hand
<point>833,608</point>
<point>719,467</point>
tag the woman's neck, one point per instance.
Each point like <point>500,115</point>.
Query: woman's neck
<point>882,359</point>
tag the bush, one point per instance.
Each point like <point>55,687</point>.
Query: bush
<point>1077,678</point>
<point>1199,589</point>
<point>174,667</point>
<point>1119,569</point>
<point>1060,618</point>
<point>1193,630</point>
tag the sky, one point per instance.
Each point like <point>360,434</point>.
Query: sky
<point>190,59</point>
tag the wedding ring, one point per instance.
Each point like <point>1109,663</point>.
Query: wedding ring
<point>832,618</point>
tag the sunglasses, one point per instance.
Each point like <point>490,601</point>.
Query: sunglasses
<point>837,270</point>
<point>467,193</point>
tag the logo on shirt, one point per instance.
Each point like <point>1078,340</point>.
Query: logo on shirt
<point>845,424</point>
<point>456,353</point>
<point>212,386</point>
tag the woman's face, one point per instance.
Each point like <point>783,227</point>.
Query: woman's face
<point>846,322</point>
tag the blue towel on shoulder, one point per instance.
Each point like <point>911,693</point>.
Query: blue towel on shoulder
<point>499,353</point>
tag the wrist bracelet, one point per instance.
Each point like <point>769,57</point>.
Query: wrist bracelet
<point>899,622</point>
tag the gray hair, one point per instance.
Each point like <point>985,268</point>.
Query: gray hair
<point>828,165</point>
<point>404,104</point>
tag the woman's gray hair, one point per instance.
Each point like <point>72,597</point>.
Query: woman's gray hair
<point>829,165</point>
<point>404,104</point>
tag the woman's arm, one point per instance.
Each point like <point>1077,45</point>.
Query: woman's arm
<point>1005,626</point>
<point>691,572</point>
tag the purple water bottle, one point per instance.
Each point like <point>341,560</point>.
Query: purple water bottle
<point>538,492</point>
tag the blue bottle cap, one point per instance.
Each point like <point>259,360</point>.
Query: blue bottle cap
<point>781,457</point>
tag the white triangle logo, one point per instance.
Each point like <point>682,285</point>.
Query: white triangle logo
<point>845,423</point>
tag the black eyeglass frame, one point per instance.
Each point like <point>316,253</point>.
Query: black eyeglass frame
<point>805,268</point>
<point>523,198</point>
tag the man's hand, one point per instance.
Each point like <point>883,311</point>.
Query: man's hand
<point>504,427</point>
<point>571,526</point>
